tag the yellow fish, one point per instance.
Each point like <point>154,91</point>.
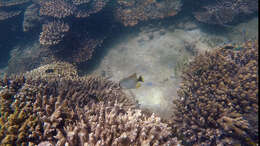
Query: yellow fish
<point>131,82</point>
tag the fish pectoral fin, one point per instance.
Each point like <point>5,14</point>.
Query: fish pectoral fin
<point>138,85</point>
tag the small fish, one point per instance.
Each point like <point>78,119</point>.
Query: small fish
<point>49,70</point>
<point>131,82</point>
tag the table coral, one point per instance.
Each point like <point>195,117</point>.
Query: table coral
<point>223,12</point>
<point>7,8</point>
<point>131,13</point>
<point>56,8</point>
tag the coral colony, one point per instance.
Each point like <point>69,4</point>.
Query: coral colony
<point>217,102</point>
<point>52,105</point>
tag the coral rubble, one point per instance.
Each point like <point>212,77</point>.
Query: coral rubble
<point>52,105</point>
<point>218,99</point>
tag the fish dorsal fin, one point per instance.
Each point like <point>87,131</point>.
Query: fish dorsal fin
<point>133,76</point>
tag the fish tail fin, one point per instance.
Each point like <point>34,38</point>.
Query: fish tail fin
<point>138,85</point>
<point>140,78</point>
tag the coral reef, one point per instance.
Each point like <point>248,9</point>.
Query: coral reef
<point>218,99</point>
<point>224,11</point>
<point>51,105</point>
<point>53,32</point>
<point>56,8</point>
<point>10,9</point>
<point>27,58</point>
<point>112,125</point>
<point>6,15</point>
<point>54,70</point>
<point>79,50</point>
<point>87,7</point>
<point>31,18</point>
<point>85,49</point>
<point>131,13</point>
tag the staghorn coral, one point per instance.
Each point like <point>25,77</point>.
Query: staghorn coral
<point>53,32</point>
<point>110,124</point>
<point>67,109</point>
<point>223,12</point>
<point>130,13</point>
<point>18,125</point>
<point>218,101</point>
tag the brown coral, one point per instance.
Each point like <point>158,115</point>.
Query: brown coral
<point>53,32</point>
<point>85,50</point>
<point>73,110</point>
<point>218,101</point>
<point>112,125</point>
<point>86,8</point>
<point>132,12</point>
<point>18,125</point>
<point>56,8</point>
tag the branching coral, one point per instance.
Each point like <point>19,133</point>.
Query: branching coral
<point>62,108</point>
<point>57,8</point>
<point>132,12</point>
<point>223,12</point>
<point>53,32</point>
<point>54,70</point>
<point>110,124</point>
<point>81,48</point>
<point>218,101</point>
<point>18,123</point>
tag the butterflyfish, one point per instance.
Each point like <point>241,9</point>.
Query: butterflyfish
<point>131,82</point>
